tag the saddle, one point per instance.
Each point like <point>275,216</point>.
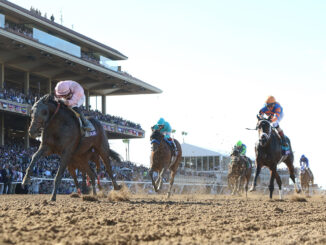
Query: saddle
<point>82,131</point>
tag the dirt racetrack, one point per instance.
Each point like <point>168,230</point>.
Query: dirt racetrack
<point>151,219</point>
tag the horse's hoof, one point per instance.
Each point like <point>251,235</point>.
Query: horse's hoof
<point>53,199</point>
<point>252,189</point>
<point>117,187</point>
<point>298,191</point>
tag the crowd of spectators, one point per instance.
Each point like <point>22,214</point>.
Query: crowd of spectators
<point>15,159</point>
<point>111,119</point>
<point>19,29</point>
<point>16,96</point>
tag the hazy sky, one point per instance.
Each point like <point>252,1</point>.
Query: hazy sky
<point>216,62</point>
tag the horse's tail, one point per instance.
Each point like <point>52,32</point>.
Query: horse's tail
<point>115,156</point>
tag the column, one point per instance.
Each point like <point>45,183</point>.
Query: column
<point>87,99</point>
<point>2,75</point>
<point>26,138</point>
<point>103,104</point>
<point>2,129</point>
<point>49,86</point>
<point>26,83</point>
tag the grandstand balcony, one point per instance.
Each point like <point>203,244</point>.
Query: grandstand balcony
<point>114,131</point>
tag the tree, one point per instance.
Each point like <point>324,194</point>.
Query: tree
<point>126,141</point>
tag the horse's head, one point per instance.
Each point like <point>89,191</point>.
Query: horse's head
<point>40,115</point>
<point>156,138</point>
<point>264,128</point>
<point>235,152</point>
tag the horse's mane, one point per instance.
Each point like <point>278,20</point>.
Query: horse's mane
<point>50,98</point>
<point>155,134</point>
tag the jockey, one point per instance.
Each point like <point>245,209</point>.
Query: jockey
<point>304,164</point>
<point>72,95</point>
<point>274,109</point>
<point>166,131</point>
<point>241,147</point>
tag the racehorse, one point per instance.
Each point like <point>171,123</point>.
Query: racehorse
<point>162,158</point>
<point>61,134</point>
<point>239,172</point>
<point>268,151</point>
<point>305,179</point>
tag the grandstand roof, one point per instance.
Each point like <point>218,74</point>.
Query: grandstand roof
<point>33,17</point>
<point>195,151</point>
<point>25,53</point>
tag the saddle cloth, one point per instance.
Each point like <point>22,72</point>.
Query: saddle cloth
<point>85,133</point>
<point>285,150</point>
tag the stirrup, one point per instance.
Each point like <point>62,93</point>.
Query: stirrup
<point>88,129</point>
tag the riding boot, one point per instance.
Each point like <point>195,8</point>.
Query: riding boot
<point>283,139</point>
<point>175,149</point>
<point>87,126</point>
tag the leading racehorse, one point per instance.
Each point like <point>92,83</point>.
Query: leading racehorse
<point>269,153</point>
<point>162,158</point>
<point>60,134</point>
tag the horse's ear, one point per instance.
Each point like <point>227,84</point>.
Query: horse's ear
<point>152,128</point>
<point>270,117</point>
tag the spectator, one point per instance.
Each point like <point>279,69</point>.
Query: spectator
<point>7,175</point>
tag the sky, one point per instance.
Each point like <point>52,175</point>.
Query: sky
<point>216,62</point>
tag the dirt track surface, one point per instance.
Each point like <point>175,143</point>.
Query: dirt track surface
<point>151,219</point>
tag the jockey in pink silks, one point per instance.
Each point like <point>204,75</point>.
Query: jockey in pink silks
<point>72,95</point>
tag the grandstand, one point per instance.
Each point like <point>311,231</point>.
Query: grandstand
<point>36,53</point>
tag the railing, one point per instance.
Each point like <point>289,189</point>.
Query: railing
<point>179,187</point>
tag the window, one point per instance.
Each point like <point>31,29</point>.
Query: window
<point>2,21</point>
<point>56,42</point>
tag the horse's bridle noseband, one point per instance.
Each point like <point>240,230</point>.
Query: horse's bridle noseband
<point>268,135</point>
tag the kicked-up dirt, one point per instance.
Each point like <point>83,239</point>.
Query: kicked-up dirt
<point>151,219</point>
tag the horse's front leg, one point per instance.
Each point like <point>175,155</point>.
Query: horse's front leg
<point>159,181</point>
<point>271,183</point>
<point>36,156</point>
<point>239,184</point>
<point>254,184</point>
<point>279,183</point>
<point>65,159</point>
<point>152,178</point>
<point>173,172</point>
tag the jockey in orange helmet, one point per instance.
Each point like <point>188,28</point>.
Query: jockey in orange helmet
<point>72,95</point>
<point>274,109</point>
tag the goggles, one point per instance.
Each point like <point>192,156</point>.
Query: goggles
<point>270,104</point>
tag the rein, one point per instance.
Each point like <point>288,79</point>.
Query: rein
<point>155,141</point>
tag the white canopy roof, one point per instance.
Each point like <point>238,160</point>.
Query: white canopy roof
<point>195,151</point>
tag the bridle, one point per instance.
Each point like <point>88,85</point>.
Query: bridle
<point>44,124</point>
<point>263,134</point>
<point>156,141</point>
